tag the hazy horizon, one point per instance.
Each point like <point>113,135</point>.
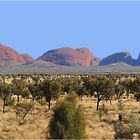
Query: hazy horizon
<point>105,27</point>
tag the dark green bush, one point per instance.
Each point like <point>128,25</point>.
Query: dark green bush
<point>127,130</point>
<point>68,120</point>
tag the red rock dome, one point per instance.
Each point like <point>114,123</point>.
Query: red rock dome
<point>10,55</point>
<point>69,56</point>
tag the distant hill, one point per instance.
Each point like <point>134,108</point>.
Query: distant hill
<point>70,57</point>
<point>65,61</point>
<point>27,58</point>
<point>123,57</point>
<point>9,55</point>
<point>81,57</point>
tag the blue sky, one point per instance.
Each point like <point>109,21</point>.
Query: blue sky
<point>104,26</point>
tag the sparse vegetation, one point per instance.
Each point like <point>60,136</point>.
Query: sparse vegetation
<point>23,100</point>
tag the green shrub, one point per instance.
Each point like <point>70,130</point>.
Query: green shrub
<point>126,130</point>
<point>68,120</point>
<point>123,132</point>
<point>134,122</point>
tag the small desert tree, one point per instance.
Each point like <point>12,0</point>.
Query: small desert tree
<point>128,85</point>
<point>101,88</point>
<point>5,94</point>
<point>35,91</point>
<point>18,88</point>
<point>119,90</point>
<point>22,109</point>
<point>51,90</point>
<point>70,84</point>
<point>81,91</point>
<point>68,120</point>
